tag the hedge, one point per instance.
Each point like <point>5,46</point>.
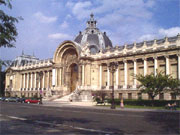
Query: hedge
<point>135,102</point>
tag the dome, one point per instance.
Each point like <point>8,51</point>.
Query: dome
<point>92,36</point>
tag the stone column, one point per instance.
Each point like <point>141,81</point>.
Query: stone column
<point>31,81</point>
<point>21,86</point>
<point>35,81</point>
<point>108,76</point>
<point>43,81</point>
<point>48,79</point>
<point>145,66</point>
<point>179,66</point>
<point>53,77</point>
<point>135,73</point>
<point>27,80</point>
<point>24,83</point>
<point>83,80</point>
<point>125,73</point>
<point>155,66</point>
<point>39,81</point>
<point>100,74</point>
<point>167,65</point>
<point>117,77</point>
<point>60,77</point>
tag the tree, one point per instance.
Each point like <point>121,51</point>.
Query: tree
<point>174,85</point>
<point>8,31</point>
<point>153,84</point>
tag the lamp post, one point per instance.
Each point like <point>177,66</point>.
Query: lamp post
<point>40,79</point>
<point>112,68</point>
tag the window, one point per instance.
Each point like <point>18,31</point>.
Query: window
<point>161,96</point>
<point>120,95</point>
<point>139,95</point>
<point>129,95</point>
<point>173,96</point>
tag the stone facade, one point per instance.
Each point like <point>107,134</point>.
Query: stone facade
<point>82,66</point>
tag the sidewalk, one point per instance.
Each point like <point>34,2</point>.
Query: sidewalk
<point>92,105</point>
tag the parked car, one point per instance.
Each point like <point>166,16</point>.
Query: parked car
<point>32,100</point>
<point>12,99</point>
<point>22,100</point>
<point>3,98</point>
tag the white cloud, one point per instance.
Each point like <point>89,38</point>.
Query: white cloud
<point>44,19</point>
<point>160,33</point>
<point>169,32</point>
<point>59,36</point>
<point>64,25</point>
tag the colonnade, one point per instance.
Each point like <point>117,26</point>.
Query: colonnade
<point>36,80</point>
<point>145,70</point>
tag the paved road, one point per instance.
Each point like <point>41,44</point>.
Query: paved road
<point>17,118</point>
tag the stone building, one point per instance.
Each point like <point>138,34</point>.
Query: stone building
<point>82,67</point>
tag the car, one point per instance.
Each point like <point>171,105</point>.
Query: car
<point>3,98</point>
<point>12,99</point>
<point>32,100</point>
<point>22,100</point>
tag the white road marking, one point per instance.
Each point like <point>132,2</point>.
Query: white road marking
<point>60,125</point>
<point>17,118</point>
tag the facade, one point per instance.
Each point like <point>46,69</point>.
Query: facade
<point>82,67</point>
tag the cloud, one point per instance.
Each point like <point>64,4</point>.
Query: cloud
<point>64,25</point>
<point>161,33</point>
<point>59,36</point>
<point>169,32</point>
<point>44,19</point>
<point>80,9</point>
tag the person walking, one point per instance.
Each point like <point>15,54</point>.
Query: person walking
<point>122,103</point>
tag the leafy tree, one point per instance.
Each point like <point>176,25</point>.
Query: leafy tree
<point>153,84</point>
<point>174,85</point>
<point>8,31</point>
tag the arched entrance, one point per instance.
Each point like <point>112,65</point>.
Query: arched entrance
<point>73,77</point>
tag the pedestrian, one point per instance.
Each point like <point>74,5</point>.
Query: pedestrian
<point>122,104</point>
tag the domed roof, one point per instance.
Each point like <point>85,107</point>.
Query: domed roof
<point>93,36</point>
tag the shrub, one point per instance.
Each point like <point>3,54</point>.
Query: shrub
<point>136,102</point>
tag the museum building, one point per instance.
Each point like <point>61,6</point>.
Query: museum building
<point>83,67</point>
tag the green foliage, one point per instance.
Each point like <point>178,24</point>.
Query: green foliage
<point>135,102</point>
<point>8,31</point>
<point>174,85</point>
<point>153,84</point>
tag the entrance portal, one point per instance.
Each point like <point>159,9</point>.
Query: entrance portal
<point>74,77</point>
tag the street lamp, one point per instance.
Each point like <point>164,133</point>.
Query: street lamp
<point>112,68</point>
<point>40,79</point>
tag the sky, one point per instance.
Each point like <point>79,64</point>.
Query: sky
<point>47,23</point>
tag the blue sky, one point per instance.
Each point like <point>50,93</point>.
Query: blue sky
<point>47,23</point>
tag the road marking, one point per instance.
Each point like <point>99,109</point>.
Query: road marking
<point>17,118</point>
<point>60,125</point>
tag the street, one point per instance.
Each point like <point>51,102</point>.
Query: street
<point>33,119</point>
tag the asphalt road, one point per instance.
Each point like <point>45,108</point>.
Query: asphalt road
<point>30,119</point>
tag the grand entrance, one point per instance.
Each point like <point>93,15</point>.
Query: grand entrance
<point>73,77</point>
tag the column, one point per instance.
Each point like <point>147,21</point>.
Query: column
<point>48,81</point>
<point>21,86</point>
<point>39,81</point>
<point>135,73</point>
<point>155,65</point>
<point>100,79</point>
<point>179,66</point>
<point>60,77</point>
<point>145,66</point>
<point>35,81</point>
<point>27,80</point>
<point>24,81</point>
<point>117,77</point>
<point>31,81</point>
<point>167,65</point>
<point>53,77</point>
<point>43,81</point>
<point>108,76</point>
<point>125,73</point>
<point>83,81</point>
